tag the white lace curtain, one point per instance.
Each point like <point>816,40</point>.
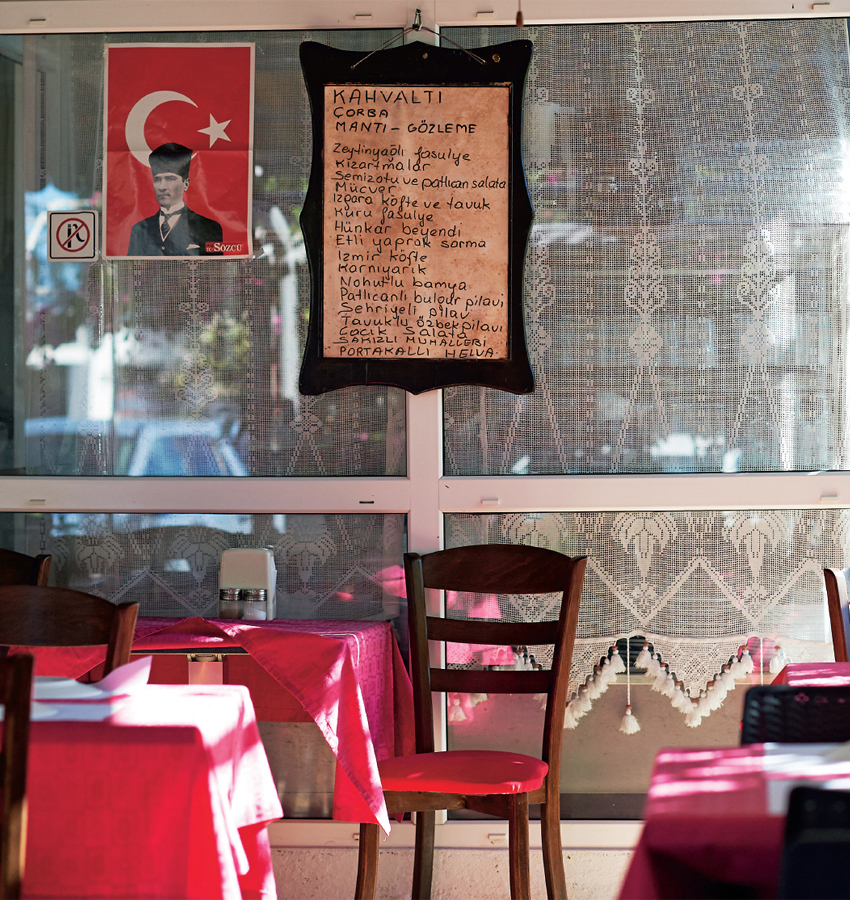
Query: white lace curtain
<point>686,310</point>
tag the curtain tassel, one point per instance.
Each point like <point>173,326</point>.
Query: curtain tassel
<point>629,724</point>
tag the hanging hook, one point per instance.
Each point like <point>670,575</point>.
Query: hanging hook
<point>418,26</point>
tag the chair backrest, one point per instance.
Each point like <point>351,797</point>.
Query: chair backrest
<point>495,569</point>
<point>15,693</point>
<point>35,616</point>
<point>816,845</point>
<point>796,715</point>
<point>18,568</point>
<point>839,613</point>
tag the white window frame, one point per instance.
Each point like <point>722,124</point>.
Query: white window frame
<point>425,495</point>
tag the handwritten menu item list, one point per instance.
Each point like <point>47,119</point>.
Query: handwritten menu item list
<point>416,222</point>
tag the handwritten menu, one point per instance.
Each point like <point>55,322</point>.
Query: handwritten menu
<point>416,215</point>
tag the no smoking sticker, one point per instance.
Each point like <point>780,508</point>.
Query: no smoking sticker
<point>72,235</point>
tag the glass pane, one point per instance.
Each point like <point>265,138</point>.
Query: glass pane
<point>169,367</point>
<point>712,594</point>
<point>328,566</point>
<point>686,279</point>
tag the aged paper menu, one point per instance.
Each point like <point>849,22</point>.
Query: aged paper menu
<point>416,222</point>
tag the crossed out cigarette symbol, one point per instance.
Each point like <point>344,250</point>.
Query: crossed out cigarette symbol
<point>72,235</point>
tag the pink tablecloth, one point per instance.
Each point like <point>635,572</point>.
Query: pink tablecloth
<point>167,797</point>
<point>706,828</point>
<point>819,674</point>
<point>348,676</point>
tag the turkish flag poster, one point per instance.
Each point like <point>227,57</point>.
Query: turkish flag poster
<point>178,150</point>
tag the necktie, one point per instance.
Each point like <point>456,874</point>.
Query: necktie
<point>165,225</point>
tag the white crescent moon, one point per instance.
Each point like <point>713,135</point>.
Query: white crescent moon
<point>134,130</point>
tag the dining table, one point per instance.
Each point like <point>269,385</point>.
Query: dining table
<point>816,674</point>
<point>714,818</point>
<point>348,677</point>
<point>148,791</point>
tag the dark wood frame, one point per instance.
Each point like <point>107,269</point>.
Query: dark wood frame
<point>413,64</point>
<point>836,594</point>
<point>15,691</point>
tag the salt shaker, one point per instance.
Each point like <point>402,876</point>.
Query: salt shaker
<point>229,605</point>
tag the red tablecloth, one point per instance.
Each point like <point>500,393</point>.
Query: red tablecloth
<point>708,831</point>
<point>821,673</point>
<point>348,676</point>
<point>167,797</point>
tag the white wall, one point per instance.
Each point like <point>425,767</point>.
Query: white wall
<point>319,873</point>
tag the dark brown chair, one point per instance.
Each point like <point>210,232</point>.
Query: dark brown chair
<point>15,692</point>
<point>35,616</point>
<point>839,619</point>
<point>18,568</point>
<point>486,781</point>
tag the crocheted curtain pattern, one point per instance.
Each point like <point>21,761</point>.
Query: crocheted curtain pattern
<point>686,311</point>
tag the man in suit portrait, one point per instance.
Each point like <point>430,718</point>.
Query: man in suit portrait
<point>175,230</point>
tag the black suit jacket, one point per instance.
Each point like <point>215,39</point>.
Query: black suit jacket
<point>188,237</point>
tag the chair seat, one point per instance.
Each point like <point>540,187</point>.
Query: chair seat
<point>475,772</point>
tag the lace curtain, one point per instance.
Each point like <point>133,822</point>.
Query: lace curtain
<point>686,284</point>
<point>686,310</point>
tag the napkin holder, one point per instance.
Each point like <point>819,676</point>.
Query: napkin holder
<point>248,570</point>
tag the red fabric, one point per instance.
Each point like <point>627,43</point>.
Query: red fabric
<point>168,797</point>
<point>348,676</point>
<point>706,825</point>
<point>818,674</point>
<point>464,772</point>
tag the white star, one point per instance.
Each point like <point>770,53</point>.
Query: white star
<point>215,130</point>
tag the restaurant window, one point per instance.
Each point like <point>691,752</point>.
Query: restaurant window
<point>685,304</point>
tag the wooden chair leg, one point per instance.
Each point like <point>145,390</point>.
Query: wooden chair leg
<point>367,861</point>
<point>518,848</point>
<point>553,852</point>
<point>423,855</point>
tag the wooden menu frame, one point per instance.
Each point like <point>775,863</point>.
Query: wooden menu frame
<point>416,218</point>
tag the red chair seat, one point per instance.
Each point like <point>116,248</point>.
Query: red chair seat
<point>464,772</point>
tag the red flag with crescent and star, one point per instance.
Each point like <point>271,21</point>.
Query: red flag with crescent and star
<point>199,96</point>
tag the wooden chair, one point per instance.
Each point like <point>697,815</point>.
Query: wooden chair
<point>839,618</point>
<point>486,781</point>
<point>18,568</point>
<point>15,692</point>
<point>36,616</point>
<point>791,714</point>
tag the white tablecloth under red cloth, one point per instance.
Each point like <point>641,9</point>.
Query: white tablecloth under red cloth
<point>348,677</point>
<point>169,796</point>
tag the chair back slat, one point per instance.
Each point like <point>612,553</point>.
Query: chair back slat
<point>482,631</point>
<point>479,681</point>
<point>499,569</point>
<point>18,568</point>
<point>35,616</point>
<point>839,612</point>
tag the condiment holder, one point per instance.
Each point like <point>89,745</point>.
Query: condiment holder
<point>247,583</point>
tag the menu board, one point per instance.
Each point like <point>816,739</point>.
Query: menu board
<point>416,218</point>
<point>416,209</point>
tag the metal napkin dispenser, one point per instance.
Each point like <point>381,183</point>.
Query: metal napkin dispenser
<point>247,581</point>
